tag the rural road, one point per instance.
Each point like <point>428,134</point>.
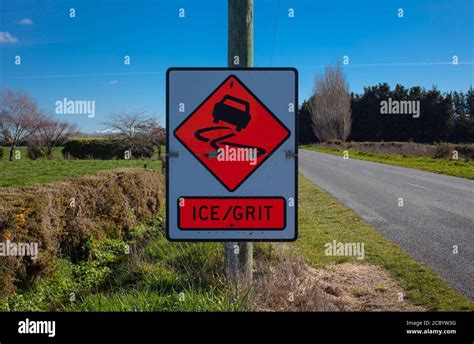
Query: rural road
<point>438,210</point>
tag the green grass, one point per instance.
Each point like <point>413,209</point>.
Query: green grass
<point>165,277</point>
<point>457,168</point>
<point>21,173</point>
<point>25,172</point>
<point>23,153</point>
<point>156,276</point>
<point>151,301</point>
<point>322,219</point>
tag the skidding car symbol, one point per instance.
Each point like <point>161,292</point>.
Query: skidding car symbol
<point>228,110</point>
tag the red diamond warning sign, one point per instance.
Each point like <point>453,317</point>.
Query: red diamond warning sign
<point>232,133</point>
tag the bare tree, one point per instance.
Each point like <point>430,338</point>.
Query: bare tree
<point>51,134</point>
<point>19,118</point>
<point>137,130</point>
<point>330,105</point>
<point>129,124</point>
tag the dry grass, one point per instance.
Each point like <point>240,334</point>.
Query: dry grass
<point>289,284</point>
<point>407,149</point>
<point>65,218</point>
<point>435,159</point>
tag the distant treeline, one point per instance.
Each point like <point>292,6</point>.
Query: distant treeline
<point>442,117</point>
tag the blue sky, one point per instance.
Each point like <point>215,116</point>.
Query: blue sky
<point>81,58</point>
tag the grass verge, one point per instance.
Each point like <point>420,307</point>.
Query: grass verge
<point>322,219</point>
<point>457,168</point>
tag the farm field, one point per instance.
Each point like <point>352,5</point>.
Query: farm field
<point>26,172</point>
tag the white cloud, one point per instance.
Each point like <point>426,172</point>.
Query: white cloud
<point>114,82</point>
<point>6,37</point>
<point>108,131</point>
<point>25,21</point>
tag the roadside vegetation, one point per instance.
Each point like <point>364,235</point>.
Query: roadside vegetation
<point>322,219</point>
<point>107,252</point>
<point>140,270</point>
<point>457,168</point>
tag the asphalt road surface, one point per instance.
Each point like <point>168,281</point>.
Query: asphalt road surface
<point>437,212</point>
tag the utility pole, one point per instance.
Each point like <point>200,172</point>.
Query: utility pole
<point>240,33</point>
<point>239,54</point>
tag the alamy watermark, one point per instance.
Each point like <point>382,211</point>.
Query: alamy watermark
<point>345,249</point>
<point>75,107</point>
<point>28,326</point>
<point>400,107</point>
<point>237,154</point>
<point>20,249</point>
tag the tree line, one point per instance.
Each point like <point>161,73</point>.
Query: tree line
<point>441,116</point>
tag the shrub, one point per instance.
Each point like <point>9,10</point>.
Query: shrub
<point>443,150</point>
<point>34,152</point>
<point>143,152</point>
<point>467,151</point>
<point>140,149</point>
<point>334,141</point>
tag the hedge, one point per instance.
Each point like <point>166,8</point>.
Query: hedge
<point>104,149</point>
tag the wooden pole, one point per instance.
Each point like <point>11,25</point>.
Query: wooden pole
<point>240,33</point>
<point>239,54</point>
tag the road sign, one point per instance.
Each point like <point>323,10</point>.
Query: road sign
<point>231,154</point>
<point>239,135</point>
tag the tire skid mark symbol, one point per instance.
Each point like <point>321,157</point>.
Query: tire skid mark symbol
<point>220,140</point>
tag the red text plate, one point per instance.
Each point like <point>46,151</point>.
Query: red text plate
<point>234,213</point>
